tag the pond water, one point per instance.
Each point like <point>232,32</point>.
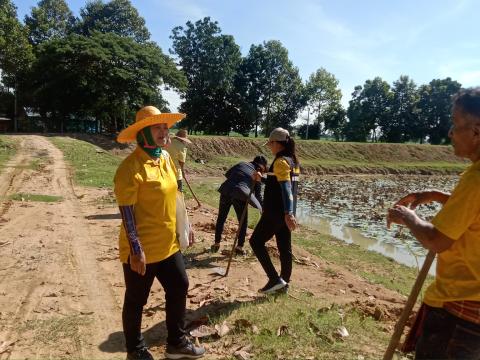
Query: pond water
<point>353,209</point>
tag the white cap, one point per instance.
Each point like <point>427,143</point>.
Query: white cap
<point>278,134</point>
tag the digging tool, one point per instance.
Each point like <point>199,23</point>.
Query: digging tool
<point>412,299</point>
<point>194,196</point>
<point>242,219</point>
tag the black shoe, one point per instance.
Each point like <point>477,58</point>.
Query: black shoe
<point>239,250</point>
<point>273,286</point>
<point>215,247</point>
<point>141,354</point>
<point>185,351</point>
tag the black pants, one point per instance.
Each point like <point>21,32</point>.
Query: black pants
<point>446,336</point>
<point>265,229</point>
<point>171,274</point>
<point>224,207</point>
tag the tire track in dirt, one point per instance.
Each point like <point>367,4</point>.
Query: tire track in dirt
<point>54,300</point>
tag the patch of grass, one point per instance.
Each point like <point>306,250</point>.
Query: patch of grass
<point>7,149</point>
<point>35,197</point>
<point>54,329</point>
<point>372,266</point>
<point>91,167</point>
<point>309,326</point>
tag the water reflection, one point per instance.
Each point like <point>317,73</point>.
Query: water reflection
<point>353,208</point>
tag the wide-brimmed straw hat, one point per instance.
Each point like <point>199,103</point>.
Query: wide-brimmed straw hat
<point>182,136</point>
<point>147,116</point>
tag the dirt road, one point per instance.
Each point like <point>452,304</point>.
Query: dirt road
<point>61,284</point>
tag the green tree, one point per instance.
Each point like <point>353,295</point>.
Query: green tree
<point>210,61</point>
<point>402,125</point>
<point>368,110</point>
<point>103,76</point>
<point>116,16</point>
<point>50,19</point>
<point>334,120</point>
<point>323,97</point>
<point>273,92</point>
<point>16,53</point>
<point>434,109</point>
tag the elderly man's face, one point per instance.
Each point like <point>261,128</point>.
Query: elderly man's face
<point>160,134</point>
<point>465,136</point>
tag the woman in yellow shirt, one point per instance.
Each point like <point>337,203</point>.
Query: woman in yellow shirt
<point>145,188</point>
<point>449,325</point>
<point>279,207</point>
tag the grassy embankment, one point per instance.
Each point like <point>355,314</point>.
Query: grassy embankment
<point>323,157</point>
<point>310,320</point>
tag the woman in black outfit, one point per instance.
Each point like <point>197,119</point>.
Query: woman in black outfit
<point>279,205</point>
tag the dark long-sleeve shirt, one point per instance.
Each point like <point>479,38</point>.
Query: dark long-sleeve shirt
<point>238,183</point>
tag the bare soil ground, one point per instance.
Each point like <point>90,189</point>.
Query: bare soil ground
<point>61,284</point>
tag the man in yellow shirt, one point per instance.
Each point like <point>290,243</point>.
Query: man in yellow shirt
<point>178,152</point>
<point>450,325</point>
<point>146,189</point>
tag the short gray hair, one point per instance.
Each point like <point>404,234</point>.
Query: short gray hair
<point>468,102</point>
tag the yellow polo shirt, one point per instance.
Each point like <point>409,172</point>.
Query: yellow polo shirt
<point>281,169</point>
<point>178,152</point>
<point>458,268</point>
<point>151,187</point>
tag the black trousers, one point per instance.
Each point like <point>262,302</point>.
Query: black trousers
<point>446,336</point>
<point>267,227</point>
<point>224,207</point>
<point>173,278</point>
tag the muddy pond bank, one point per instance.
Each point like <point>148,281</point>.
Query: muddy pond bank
<point>352,208</point>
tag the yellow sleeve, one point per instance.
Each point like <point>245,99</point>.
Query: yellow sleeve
<point>173,166</point>
<point>281,169</point>
<point>126,183</point>
<point>182,155</point>
<point>461,209</point>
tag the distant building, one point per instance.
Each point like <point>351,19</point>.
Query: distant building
<point>5,124</point>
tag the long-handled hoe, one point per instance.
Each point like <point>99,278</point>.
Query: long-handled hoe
<point>412,299</point>
<point>194,196</point>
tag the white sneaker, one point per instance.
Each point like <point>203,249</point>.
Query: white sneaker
<point>273,286</point>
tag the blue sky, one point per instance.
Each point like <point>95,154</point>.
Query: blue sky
<point>354,40</point>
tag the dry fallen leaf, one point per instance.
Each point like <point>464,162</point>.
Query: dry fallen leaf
<point>203,331</point>
<point>222,329</point>
<point>341,332</point>
<point>242,355</point>
<point>5,345</point>
<point>282,330</point>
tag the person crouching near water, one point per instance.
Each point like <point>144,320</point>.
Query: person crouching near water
<point>146,189</point>
<point>235,190</point>
<point>279,206</point>
<point>448,324</point>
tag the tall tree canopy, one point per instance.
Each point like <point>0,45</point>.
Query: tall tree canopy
<point>369,108</point>
<point>402,124</point>
<point>103,76</point>
<point>434,109</point>
<point>324,98</point>
<point>16,53</point>
<point>273,92</point>
<point>50,19</point>
<point>210,61</point>
<point>116,16</point>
